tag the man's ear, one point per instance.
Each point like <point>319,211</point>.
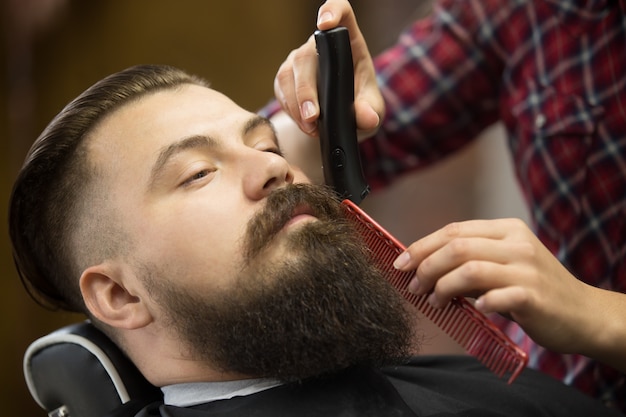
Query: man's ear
<point>113,295</point>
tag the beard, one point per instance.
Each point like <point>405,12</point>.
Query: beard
<point>320,308</point>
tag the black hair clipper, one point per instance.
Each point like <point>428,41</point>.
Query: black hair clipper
<point>337,124</point>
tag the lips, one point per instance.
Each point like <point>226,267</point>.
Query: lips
<point>301,212</point>
<point>286,207</point>
<point>302,209</point>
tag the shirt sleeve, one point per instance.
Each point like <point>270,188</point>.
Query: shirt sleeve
<point>440,83</point>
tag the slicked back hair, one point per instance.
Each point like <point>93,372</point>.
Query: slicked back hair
<point>50,195</point>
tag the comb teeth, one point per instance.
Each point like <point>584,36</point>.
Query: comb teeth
<point>459,319</point>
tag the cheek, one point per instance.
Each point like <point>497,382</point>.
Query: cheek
<point>195,249</point>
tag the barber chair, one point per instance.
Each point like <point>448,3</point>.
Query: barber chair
<point>77,371</point>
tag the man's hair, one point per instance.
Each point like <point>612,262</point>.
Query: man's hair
<point>53,195</point>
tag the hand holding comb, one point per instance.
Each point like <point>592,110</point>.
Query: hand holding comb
<point>343,171</point>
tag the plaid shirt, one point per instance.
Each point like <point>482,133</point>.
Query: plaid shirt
<point>554,72</point>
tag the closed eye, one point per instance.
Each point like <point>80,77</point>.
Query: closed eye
<point>199,175</point>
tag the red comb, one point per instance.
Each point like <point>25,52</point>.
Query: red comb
<point>459,319</point>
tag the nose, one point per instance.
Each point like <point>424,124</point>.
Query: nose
<point>264,172</point>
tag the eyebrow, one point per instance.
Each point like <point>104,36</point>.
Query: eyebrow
<point>258,121</point>
<point>201,141</point>
<point>167,153</point>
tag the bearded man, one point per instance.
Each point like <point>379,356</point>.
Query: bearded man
<point>168,215</point>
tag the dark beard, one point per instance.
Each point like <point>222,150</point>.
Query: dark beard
<point>320,309</point>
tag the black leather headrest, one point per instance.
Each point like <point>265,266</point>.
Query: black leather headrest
<point>80,369</point>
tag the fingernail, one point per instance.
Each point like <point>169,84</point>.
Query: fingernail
<point>414,286</point>
<point>402,260</point>
<point>308,127</point>
<point>324,17</point>
<point>433,301</point>
<point>308,110</point>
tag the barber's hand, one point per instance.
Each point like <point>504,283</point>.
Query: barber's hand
<point>295,85</point>
<point>508,270</point>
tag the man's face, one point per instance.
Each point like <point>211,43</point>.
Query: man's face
<point>253,273</point>
<point>187,169</point>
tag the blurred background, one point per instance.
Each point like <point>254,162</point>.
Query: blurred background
<point>53,49</point>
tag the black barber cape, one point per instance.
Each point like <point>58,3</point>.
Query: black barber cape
<point>426,386</point>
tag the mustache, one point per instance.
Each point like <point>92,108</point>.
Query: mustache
<point>281,206</point>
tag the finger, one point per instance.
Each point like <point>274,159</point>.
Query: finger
<point>305,68</point>
<point>426,246</point>
<point>508,300</point>
<point>284,88</point>
<point>335,13</point>
<point>463,250</point>
<point>472,279</point>
<point>367,119</point>
<point>461,256</point>
<point>365,83</point>
<point>522,306</point>
<point>499,229</point>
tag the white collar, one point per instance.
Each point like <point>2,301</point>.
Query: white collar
<point>188,394</point>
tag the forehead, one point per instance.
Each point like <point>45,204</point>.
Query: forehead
<point>131,136</point>
<point>169,114</point>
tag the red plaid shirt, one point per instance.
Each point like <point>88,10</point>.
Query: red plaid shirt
<point>554,72</point>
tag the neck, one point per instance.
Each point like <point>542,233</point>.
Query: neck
<point>163,361</point>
